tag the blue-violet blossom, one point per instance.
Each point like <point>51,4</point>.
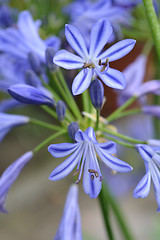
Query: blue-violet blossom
<point>10,175</point>
<point>70,225</point>
<point>92,61</point>
<point>151,157</point>
<point>83,154</point>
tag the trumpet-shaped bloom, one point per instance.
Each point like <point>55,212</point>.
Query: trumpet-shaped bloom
<point>30,95</point>
<point>10,175</point>
<point>151,157</point>
<point>93,61</point>
<point>9,121</point>
<point>70,225</point>
<point>83,154</point>
<point>26,38</point>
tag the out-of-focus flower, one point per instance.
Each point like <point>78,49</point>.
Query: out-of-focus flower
<point>153,110</point>
<point>84,14</point>
<point>84,156</point>
<point>9,121</point>
<point>30,95</point>
<point>6,16</point>
<point>61,110</point>
<point>26,39</point>
<point>134,77</point>
<point>70,225</point>
<point>151,159</point>
<point>10,175</point>
<point>92,61</point>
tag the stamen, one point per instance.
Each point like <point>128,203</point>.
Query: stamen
<point>88,65</point>
<point>101,178</point>
<point>96,174</point>
<point>77,181</point>
<point>75,172</point>
<point>91,170</point>
<point>92,177</point>
<point>105,64</point>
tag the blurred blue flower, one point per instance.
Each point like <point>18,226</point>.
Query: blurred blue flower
<point>151,159</point>
<point>92,61</point>
<point>7,104</point>
<point>30,95</point>
<point>70,225</point>
<point>10,175</point>
<point>9,121</point>
<point>26,38</point>
<point>6,16</point>
<point>153,110</point>
<point>84,14</point>
<point>84,153</point>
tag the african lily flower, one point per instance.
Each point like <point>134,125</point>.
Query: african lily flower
<point>83,155</point>
<point>151,157</point>
<point>93,61</point>
<point>70,225</point>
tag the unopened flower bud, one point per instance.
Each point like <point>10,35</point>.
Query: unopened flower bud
<point>97,93</point>
<point>50,52</point>
<point>72,129</point>
<point>34,62</point>
<point>61,110</point>
<point>31,78</point>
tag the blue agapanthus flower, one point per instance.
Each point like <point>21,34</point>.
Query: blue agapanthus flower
<point>10,175</point>
<point>26,38</point>
<point>83,155</point>
<point>9,121</point>
<point>93,60</point>
<point>70,225</point>
<point>151,157</point>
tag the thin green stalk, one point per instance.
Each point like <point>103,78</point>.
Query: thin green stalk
<point>124,137</point>
<point>119,216</point>
<point>129,112</point>
<point>97,119</point>
<point>67,90</point>
<point>115,114</point>
<point>44,124</point>
<point>153,24</point>
<point>65,96</point>
<point>119,142</point>
<point>103,200</point>
<point>48,140</point>
<point>85,101</point>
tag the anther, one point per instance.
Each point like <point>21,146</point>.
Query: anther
<point>101,178</point>
<point>77,181</point>
<point>96,174</point>
<point>75,172</point>
<point>92,177</point>
<point>91,170</point>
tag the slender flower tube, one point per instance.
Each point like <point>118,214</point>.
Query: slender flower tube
<point>151,157</point>
<point>10,175</point>
<point>70,225</point>
<point>9,121</point>
<point>83,154</point>
<point>93,61</point>
<point>30,95</point>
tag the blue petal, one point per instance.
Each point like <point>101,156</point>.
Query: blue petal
<point>118,50</point>
<point>11,173</point>
<point>100,33</point>
<point>76,40</point>
<point>62,149</point>
<point>82,81</point>
<point>92,187</point>
<point>67,166</point>
<point>81,136</point>
<point>68,60</point>
<point>112,78</point>
<point>113,162</point>
<point>54,42</point>
<point>143,187</point>
<point>91,134</point>
<point>29,95</point>
<point>108,147</point>
<point>146,152</point>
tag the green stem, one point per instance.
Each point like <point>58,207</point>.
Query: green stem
<point>67,90</point>
<point>129,112</point>
<point>115,114</point>
<point>103,199</point>
<point>97,120</point>
<point>126,138</point>
<point>44,124</point>
<point>119,216</point>
<point>153,23</point>
<point>48,140</point>
<point>49,111</point>
<point>119,142</point>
